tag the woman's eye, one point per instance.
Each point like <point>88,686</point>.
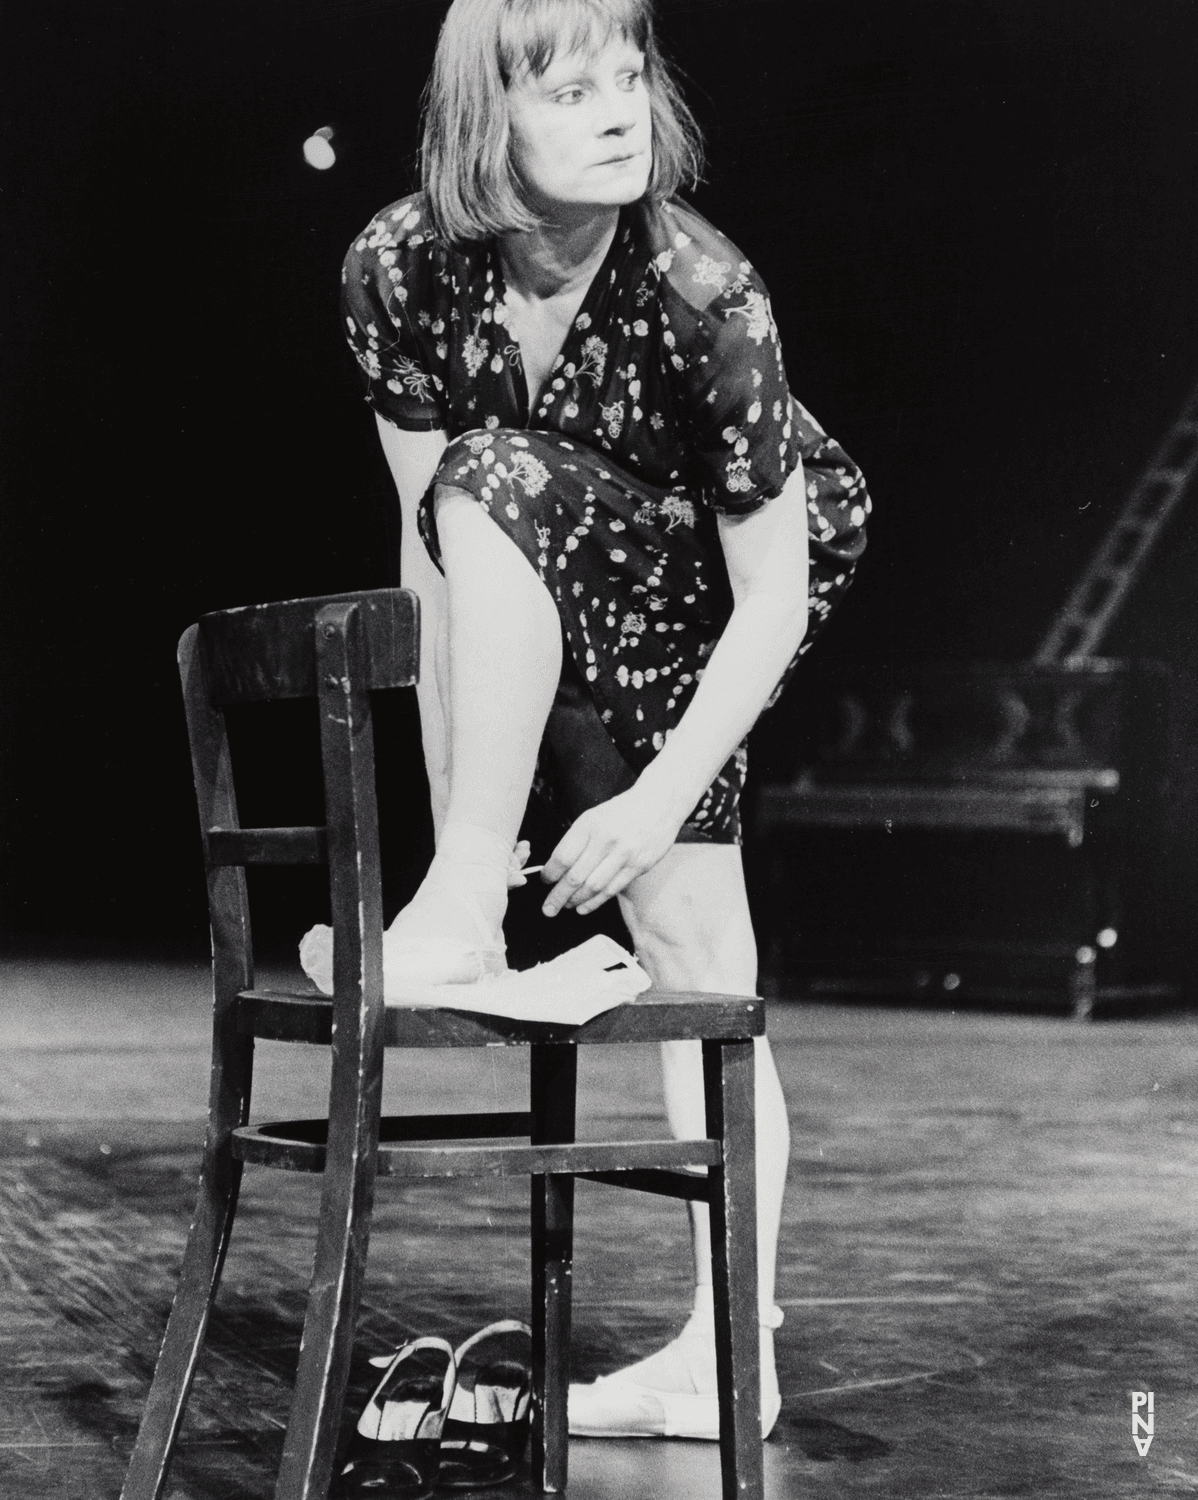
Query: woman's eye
<point>569,96</point>
<point>630,80</point>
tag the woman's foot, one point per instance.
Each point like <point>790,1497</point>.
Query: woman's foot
<point>451,932</point>
<point>686,1365</point>
<point>673,1392</point>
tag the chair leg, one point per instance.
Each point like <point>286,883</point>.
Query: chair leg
<point>554,1074</point>
<point>342,1241</point>
<point>356,1082</point>
<point>728,1082</point>
<point>203,1260</point>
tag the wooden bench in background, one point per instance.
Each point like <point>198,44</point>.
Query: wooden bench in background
<point>1001,750</point>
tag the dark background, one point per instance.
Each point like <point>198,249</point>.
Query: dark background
<point>978,221</point>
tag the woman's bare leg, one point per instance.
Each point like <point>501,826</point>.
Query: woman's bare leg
<point>502,650</point>
<point>689,919</point>
<point>504,658</point>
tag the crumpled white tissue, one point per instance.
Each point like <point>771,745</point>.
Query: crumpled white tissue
<point>569,990</point>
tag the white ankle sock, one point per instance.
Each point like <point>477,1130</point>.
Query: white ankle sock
<point>463,897</point>
<point>687,1363</point>
<point>467,843</point>
<point>473,862</point>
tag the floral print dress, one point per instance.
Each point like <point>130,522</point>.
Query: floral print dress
<point>667,404</point>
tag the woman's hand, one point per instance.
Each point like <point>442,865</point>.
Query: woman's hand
<point>606,848</point>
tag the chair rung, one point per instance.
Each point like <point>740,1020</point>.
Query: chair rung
<point>395,1128</point>
<point>266,1145</point>
<point>268,846</point>
<point>687,1185</point>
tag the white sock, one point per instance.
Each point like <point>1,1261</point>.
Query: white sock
<point>686,1364</point>
<point>467,843</point>
<point>463,897</point>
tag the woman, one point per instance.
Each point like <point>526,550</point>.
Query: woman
<point>606,491</point>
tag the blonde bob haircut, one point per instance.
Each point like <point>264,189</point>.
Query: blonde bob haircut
<point>473,188</point>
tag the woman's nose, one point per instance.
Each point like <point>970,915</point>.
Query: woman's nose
<point>619,114</point>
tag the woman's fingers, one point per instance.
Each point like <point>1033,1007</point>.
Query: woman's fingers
<point>584,853</point>
<point>592,892</point>
<point>566,891</point>
<point>605,849</point>
<point>611,886</point>
<point>595,876</point>
<point>567,850</point>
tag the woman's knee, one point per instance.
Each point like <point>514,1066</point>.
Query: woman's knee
<point>444,494</point>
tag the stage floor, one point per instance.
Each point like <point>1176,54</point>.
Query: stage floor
<point>989,1244</point>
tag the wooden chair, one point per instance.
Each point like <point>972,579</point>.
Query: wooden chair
<point>340,650</point>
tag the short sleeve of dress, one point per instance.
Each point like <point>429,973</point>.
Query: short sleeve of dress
<point>386,275</point>
<point>743,441</point>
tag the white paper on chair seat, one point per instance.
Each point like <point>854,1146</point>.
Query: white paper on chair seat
<point>569,990</point>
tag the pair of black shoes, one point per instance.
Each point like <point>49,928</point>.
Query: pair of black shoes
<point>443,1418</point>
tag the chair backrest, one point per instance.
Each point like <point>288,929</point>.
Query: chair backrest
<point>267,651</point>
<point>337,648</point>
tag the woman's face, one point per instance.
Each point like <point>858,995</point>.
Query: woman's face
<point>582,133</point>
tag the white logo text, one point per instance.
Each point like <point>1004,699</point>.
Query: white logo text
<point>1141,1426</point>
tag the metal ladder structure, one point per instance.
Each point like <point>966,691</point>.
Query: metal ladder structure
<point>1086,615</point>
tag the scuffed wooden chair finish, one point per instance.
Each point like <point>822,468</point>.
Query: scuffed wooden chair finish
<point>340,650</point>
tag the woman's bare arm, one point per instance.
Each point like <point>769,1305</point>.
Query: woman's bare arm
<point>612,844</point>
<point>413,458</point>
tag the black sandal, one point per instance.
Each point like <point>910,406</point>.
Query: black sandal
<point>486,1432</point>
<point>396,1451</point>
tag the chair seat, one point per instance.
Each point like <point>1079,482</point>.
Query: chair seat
<point>655,1016</point>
